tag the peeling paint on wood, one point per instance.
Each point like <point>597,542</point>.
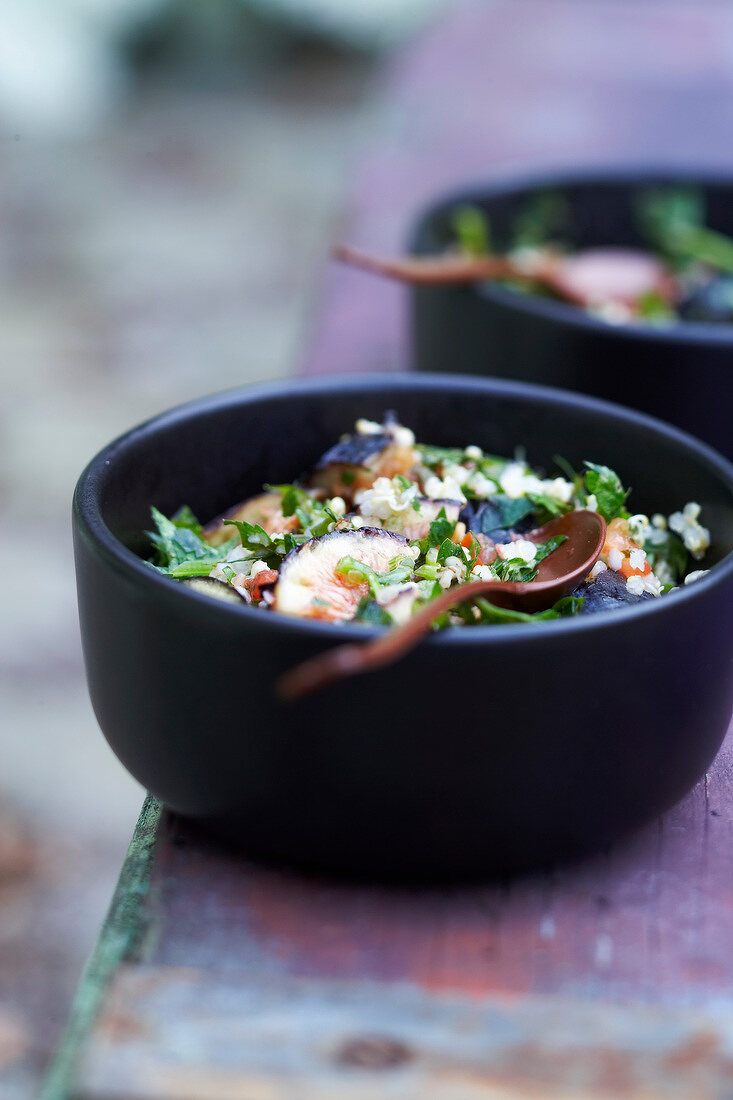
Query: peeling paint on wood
<point>121,939</point>
<point>196,1035</point>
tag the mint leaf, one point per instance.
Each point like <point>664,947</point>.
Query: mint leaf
<point>606,486</point>
<point>472,230</point>
<point>175,543</point>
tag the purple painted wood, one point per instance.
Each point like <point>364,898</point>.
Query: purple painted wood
<point>605,980</point>
<point>651,920</point>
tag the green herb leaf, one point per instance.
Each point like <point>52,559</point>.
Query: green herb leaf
<point>670,550</point>
<point>437,456</point>
<point>369,611</point>
<point>606,486</point>
<point>176,543</point>
<point>653,307</point>
<point>543,218</point>
<point>184,517</point>
<point>568,605</point>
<point>548,506</point>
<point>447,549</point>
<point>673,220</point>
<point>544,549</point>
<point>472,230</point>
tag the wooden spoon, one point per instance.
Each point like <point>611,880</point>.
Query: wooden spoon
<point>557,575</point>
<point>586,278</point>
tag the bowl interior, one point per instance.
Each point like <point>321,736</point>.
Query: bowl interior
<point>600,210</point>
<point>214,453</point>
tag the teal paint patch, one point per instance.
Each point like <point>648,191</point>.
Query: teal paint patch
<point>119,941</point>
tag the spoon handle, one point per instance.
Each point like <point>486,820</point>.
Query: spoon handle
<point>431,270</point>
<point>348,660</point>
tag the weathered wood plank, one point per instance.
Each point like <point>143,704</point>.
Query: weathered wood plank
<point>181,1034</point>
<point>651,920</point>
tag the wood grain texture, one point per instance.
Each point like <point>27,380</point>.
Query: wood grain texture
<point>651,920</point>
<point>182,1033</point>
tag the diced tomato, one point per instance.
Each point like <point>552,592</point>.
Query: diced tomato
<point>259,581</point>
<point>629,571</point>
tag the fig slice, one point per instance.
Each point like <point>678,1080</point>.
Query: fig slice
<point>263,510</point>
<point>309,584</point>
<point>216,590</point>
<point>618,275</point>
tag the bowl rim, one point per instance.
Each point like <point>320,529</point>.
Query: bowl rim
<point>693,333</point>
<point>87,513</point>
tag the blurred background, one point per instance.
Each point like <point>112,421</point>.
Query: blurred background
<point>172,175</point>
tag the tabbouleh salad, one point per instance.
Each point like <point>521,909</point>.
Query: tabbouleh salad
<point>385,524</point>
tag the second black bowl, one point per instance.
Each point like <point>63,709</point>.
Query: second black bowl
<point>682,372</point>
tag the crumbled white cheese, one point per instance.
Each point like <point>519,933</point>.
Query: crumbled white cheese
<point>664,573</point>
<point>357,521</point>
<point>398,600</point>
<point>369,427</point>
<point>480,485</point>
<point>453,570</point>
<point>685,524</point>
<point>528,259</point>
<point>443,489</point>
<point>246,567</point>
<point>649,584</point>
<point>696,575</point>
<point>613,313</point>
<point>238,557</point>
<point>402,436</point>
<point>520,548</point>
<point>456,472</point>
<point>473,453</point>
<point>385,499</point>
<point>615,559</point>
<point>652,584</point>
<point>337,506</point>
<point>637,559</point>
<point>659,521</point>
<point>638,527</point>
<point>482,573</point>
<point>390,592</point>
<point>513,479</point>
<point>517,480</point>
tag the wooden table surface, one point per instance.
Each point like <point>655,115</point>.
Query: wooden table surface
<point>216,979</point>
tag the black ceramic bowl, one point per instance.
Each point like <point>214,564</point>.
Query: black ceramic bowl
<point>484,750</point>
<point>682,372</point>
